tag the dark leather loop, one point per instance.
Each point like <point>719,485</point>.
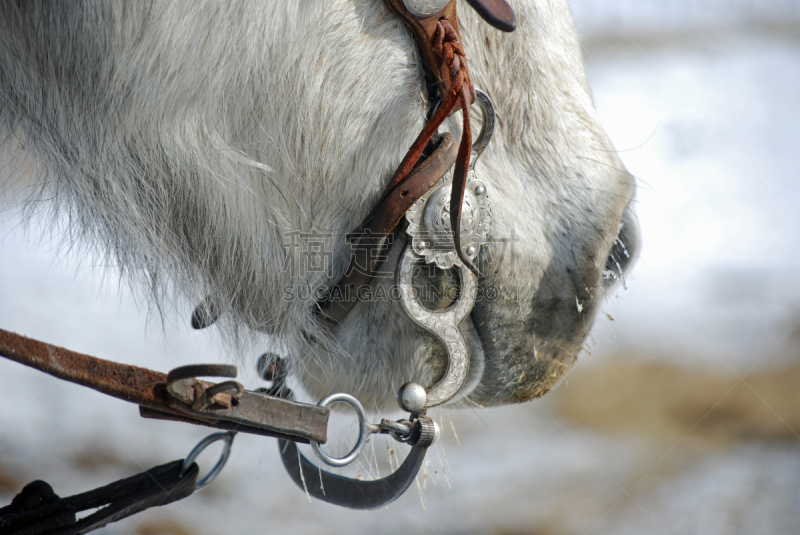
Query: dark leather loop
<point>496,12</point>
<point>38,510</point>
<point>347,492</point>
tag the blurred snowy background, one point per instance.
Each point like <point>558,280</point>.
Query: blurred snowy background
<point>682,417</point>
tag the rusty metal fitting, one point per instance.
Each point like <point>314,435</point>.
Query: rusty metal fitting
<point>183,386</point>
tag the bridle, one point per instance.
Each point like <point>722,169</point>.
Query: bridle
<point>442,232</point>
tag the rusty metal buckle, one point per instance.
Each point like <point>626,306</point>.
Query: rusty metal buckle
<point>182,385</point>
<point>227,405</point>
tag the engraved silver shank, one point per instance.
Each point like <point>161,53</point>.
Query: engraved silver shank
<point>445,324</point>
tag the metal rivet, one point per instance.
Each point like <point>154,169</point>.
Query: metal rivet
<point>480,190</point>
<point>471,250</point>
<point>412,397</point>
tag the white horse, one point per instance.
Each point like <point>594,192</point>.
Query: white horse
<point>203,146</point>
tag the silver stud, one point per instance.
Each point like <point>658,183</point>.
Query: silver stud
<point>421,245</point>
<point>480,189</point>
<point>425,8</point>
<point>412,397</point>
<point>471,250</point>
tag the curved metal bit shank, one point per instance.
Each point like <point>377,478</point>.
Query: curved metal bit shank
<point>346,492</point>
<point>488,121</point>
<point>445,324</point>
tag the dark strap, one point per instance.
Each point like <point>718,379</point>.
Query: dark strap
<point>37,509</point>
<point>496,12</point>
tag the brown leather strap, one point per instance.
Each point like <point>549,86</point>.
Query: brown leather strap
<point>371,240</point>
<point>496,12</point>
<point>437,36</point>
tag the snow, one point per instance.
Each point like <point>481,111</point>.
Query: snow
<point>710,136</point>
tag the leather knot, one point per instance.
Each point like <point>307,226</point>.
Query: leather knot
<point>452,60</point>
<point>458,91</point>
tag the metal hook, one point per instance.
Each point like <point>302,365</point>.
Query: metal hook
<point>419,432</point>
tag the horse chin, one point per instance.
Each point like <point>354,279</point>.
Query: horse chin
<point>521,341</point>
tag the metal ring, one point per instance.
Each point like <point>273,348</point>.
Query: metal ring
<point>227,436</point>
<point>225,386</point>
<point>362,431</point>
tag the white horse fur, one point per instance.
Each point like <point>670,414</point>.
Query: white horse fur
<point>191,142</point>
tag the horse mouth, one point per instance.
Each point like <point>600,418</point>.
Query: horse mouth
<point>521,357</point>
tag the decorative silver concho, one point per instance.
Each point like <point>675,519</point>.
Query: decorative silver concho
<point>429,222</point>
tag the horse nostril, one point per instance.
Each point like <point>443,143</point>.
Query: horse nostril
<point>624,250</point>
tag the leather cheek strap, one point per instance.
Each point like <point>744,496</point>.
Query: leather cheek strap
<point>371,241</point>
<point>497,13</point>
